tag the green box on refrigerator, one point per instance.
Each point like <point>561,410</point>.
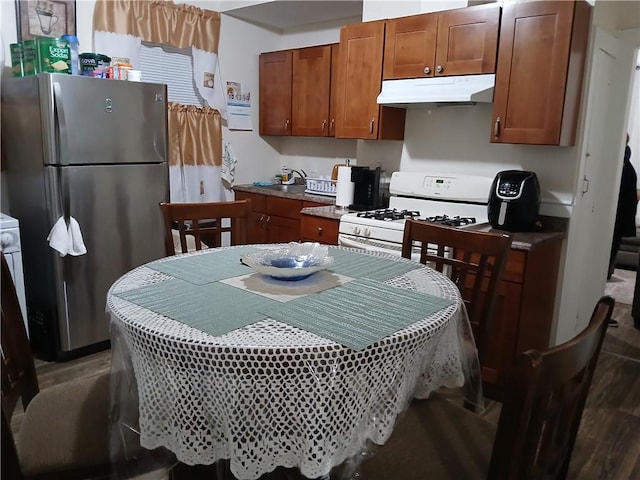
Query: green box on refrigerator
<point>29,52</point>
<point>17,59</point>
<point>53,56</point>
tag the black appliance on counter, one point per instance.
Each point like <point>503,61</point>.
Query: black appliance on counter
<point>514,201</point>
<point>367,189</point>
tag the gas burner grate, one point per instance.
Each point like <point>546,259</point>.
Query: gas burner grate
<point>389,215</point>
<point>456,221</point>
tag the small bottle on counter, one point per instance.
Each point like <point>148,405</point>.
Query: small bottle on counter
<point>286,176</point>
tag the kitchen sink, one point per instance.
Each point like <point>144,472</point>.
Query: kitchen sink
<point>287,188</point>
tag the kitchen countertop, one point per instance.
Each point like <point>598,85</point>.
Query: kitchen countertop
<point>330,211</point>
<point>550,229</point>
<point>293,195</point>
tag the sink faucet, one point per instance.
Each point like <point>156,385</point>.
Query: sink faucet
<point>302,174</point>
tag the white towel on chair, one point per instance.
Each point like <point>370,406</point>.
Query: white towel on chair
<point>67,240</point>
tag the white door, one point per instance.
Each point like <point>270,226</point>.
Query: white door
<point>600,167</point>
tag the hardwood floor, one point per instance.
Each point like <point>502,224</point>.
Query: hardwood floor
<point>608,444</point>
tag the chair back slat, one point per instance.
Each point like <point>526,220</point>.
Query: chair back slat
<point>205,223</point>
<point>475,262</point>
<point>19,381</point>
<point>541,413</point>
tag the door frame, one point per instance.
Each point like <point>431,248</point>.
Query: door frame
<point>574,305</point>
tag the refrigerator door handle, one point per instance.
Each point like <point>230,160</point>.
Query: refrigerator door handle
<point>62,150</point>
<point>66,200</point>
<point>61,121</point>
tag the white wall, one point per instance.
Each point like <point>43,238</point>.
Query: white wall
<point>380,9</point>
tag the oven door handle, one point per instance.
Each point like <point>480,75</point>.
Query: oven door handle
<point>347,242</point>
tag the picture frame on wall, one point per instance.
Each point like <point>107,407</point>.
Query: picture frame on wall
<point>45,18</point>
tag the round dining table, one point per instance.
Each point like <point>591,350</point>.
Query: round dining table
<point>212,364</point>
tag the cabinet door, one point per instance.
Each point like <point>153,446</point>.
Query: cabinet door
<point>467,40</point>
<point>410,46</point>
<point>501,352</point>
<point>311,87</point>
<point>275,93</point>
<point>282,229</point>
<point>359,83</point>
<point>540,49</point>
<point>333,95</point>
<point>256,227</point>
<point>359,80</point>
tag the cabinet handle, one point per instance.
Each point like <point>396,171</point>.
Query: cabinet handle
<point>427,70</point>
<point>496,128</point>
<point>332,126</point>
<point>261,218</point>
<point>371,125</point>
<point>439,69</point>
<point>319,230</point>
<point>286,125</point>
<point>324,125</point>
<point>268,218</point>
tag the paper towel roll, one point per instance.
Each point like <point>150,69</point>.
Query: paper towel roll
<point>344,187</point>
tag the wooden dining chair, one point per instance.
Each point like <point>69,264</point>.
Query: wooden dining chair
<point>475,262</point>
<point>536,431</point>
<point>202,225</point>
<point>64,428</point>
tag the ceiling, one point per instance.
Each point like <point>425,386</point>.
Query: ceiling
<point>286,14</point>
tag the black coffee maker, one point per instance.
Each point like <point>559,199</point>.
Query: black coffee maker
<point>366,189</point>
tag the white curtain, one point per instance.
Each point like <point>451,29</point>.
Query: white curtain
<point>195,152</point>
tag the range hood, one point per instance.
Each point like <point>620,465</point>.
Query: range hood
<point>415,92</point>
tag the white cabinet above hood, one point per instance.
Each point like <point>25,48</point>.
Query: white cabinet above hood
<point>415,92</point>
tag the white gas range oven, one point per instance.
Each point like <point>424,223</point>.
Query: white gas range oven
<point>448,199</point>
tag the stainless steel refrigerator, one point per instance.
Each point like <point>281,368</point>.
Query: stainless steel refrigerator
<point>95,150</point>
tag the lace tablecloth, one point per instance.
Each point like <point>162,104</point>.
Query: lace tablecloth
<point>270,394</point>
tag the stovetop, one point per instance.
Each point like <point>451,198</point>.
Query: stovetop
<point>456,221</point>
<point>389,214</point>
<point>392,214</point>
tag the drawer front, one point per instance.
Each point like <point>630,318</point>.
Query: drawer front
<point>284,207</point>
<point>319,229</point>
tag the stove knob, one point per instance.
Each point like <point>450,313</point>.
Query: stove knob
<point>356,230</point>
<point>367,232</point>
<point>6,240</point>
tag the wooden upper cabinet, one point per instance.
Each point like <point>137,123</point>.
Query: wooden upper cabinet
<point>410,46</point>
<point>311,90</point>
<point>275,92</point>
<point>539,73</point>
<point>453,42</point>
<point>467,40</point>
<point>359,82</point>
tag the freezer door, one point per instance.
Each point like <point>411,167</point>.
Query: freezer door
<point>117,209</point>
<point>98,121</point>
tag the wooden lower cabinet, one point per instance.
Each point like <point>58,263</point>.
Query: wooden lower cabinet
<point>275,219</point>
<point>319,229</point>
<point>524,313</point>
